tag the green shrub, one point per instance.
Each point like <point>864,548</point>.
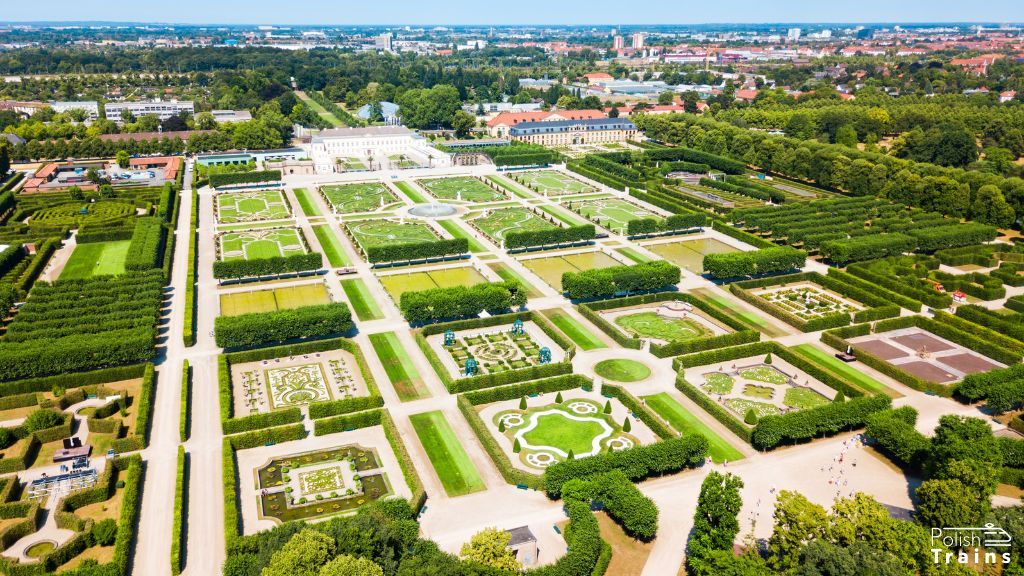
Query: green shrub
<point>607,282</point>
<point>43,419</point>
<point>256,329</point>
<point>254,177</point>
<point>824,420</point>
<point>460,301</point>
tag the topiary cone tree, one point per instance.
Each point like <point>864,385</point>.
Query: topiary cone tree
<point>768,358</point>
<point>751,417</point>
<point>626,426</point>
<point>572,455</point>
<point>839,397</point>
<point>608,407</point>
<point>501,425</point>
<point>522,403</point>
<point>516,447</point>
<point>558,398</point>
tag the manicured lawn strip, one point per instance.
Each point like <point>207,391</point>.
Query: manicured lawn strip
<point>411,192</point>
<point>306,201</point>
<point>509,274</point>
<point>251,226</point>
<point>560,215</point>
<point>332,248</point>
<point>633,255</point>
<point>361,300</point>
<point>683,421</point>
<point>459,232</point>
<point>574,330</point>
<point>509,186</point>
<point>843,370</point>
<point>320,110</point>
<point>733,310</point>
<point>450,461</point>
<point>96,259</point>
<point>403,375</point>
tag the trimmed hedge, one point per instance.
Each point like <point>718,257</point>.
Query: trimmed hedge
<point>145,251</point>
<point>460,301</point>
<point>253,177</point>
<point>825,420</point>
<point>622,500</point>
<point>549,236</point>
<point>758,262</point>
<point>262,420</point>
<point>178,534</point>
<point>866,247</point>
<point>603,283</point>
<point>715,161</point>
<point>344,406</point>
<point>639,410</point>
<point>894,434</point>
<point>347,422</point>
<point>267,266</point>
<point>416,250</point>
<point>501,461</point>
<point>716,410</point>
<point>260,328</point>
<point>412,477</point>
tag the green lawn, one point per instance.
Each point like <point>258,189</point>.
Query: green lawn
<point>509,275</point>
<point>450,461</point>
<point>500,222</point>
<point>411,192</point>
<point>652,325</point>
<point>331,246</point>
<point>461,188</point>
<point>96,259</point>
<point>722,303</point>
<point>843,370</point>
<point>682,420</point>
<point>459,232</point>
<point>320,110</point>
<point>633,255</point>
<point>559,431</point>
<point>500,181</point>
<point>583,338</point>
<point>403,375</point>
<point>307,202</point>
<point>622,370</point>
<point>361,300</point>
<point>564,216</point>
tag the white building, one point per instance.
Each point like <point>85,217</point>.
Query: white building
<point>91,108</point>
<point>618,42</point>
<point>793,34</point>
<point>160,108</point>
<point>376,145</point>
<point>638,40</point>
<point>231,115</point>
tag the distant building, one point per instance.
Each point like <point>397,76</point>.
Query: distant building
<point>499,126</point>
<point>638,40</point>
<point>159,108</point>
<point>598,78</point>
<point>383,42</point>
<point>12,139</point>
<point>231,115</point>
<point>793,34</point>
<point>541,84</point>
<point>618,42</point>
<point>91,108</point>
<point>389,110</point>
<point>570,132</point>
<point>375,144</point>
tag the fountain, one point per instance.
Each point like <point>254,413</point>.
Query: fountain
<point>434,210</point>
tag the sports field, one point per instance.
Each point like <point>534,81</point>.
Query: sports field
<point>256,244</point>
<point>464,188</point>
<point>273,299</point>
<point>446,454</point>
<point>357,197</point>
<point>552,183</point>
<point>361,299</point>
<point>611,213</point>
<point>402,373</point>
<point>397,284</point>
<point>550,269</point>
<point>250,206</point>
<point>685,422</point>
<point>381,232</point>
<point>497,223</point>
<point>96,259</point>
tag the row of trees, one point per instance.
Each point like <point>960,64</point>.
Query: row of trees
<point>757,262</point>
<point>620,280</point>
<point>248,330</point>
<point>460,301</point>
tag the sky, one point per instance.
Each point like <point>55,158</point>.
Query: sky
<point>498,12</point>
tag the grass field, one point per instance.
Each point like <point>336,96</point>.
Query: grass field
<point>397,284</point>
<point>845,371</point>
<point>459,232</point>
<point>464,188</point>
<point>273,299</point>
<point>563,216</point>
<point>611,213</point>
<point>250,206</point>
<point>651,325</point>
<point>410,191</point>
<point>256,244</point>
<point>622,370</point>
<point>450,461</point>
<point>96,259</point>
<point>566,434</point>
<point>689,254</point>
<point>510,186</point>
<point>382,232</point>
<point>499,222</point>
<point>633,255</point>
<point>553,183</point>
<point>320,110</point>
<point>307,202</point>
<point>685,422</point>
<point>509,274</point>
<point>331,246</point>
<point>361,300</point>
<point>550,269</point>
<point>404,377</point>
<point>722,304</point>
<point>578,333</point>
<point>358,197</point>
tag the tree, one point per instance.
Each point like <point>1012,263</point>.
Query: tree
<point>839,398</point>
<point>205,121</point>
<point>490,548</point>
<point>42,419</point>
<point>303,555</point>
<point>174,124</point>
<point>558,398</point>
<point>945,503</point>
<point>516,447</point>
<point>715,523</point>
<point>990,207</point>
<point>614,112</point>
<point>750,417</point>
<point>123,158</point>
<point>522,403</point>
<point>346,565</point>
<point>846,136</point>
<point>104,532</point>
<point>797,520</point>
<point>608,407</point>
<point>463,122</point>
<point>626,426</point>
<point>666,98</point>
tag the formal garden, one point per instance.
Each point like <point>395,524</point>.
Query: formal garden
<point>551,268</point>
<point>399,283</point>
<point>273,299</point>
<point>261,244</point>
<point>689,254</point>
<point>373,233</point>
<point>295,380</point>
<point>495,224</point>
<point>552,183</point>
<point>358,197</point>
<point>463,189</point>
<point>495,349</point>
<point>322,483</point>
<point>251,206</point>
<point>669,321</point>
<point>611,213</point>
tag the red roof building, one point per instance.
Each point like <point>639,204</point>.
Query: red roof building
<point>499,125</point>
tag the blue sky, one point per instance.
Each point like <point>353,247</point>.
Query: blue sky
<point>515,11</point>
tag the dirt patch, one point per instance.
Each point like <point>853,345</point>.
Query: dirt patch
<point>968,363</point>
<point>927,371</point>
<point>920,341</point>
<point>628,555</point>
<point>881,349</point>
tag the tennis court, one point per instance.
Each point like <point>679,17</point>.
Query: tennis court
<point>257,244</point>
<point>397,284</point>
<point>273,299</point>
<point>464,188</point>
<point>358,197</point>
